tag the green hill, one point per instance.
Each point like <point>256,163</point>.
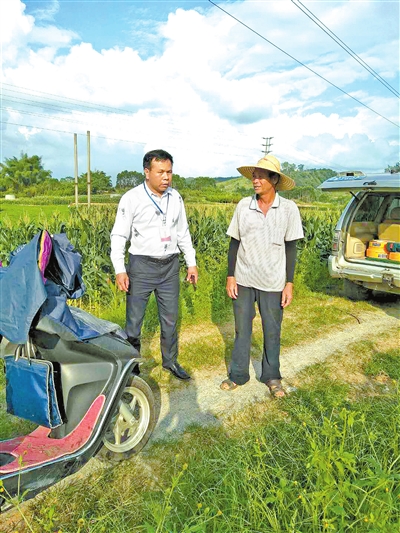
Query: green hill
<point>235,185</point>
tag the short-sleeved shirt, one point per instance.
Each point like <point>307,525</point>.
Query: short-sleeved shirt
<point>261,258</point>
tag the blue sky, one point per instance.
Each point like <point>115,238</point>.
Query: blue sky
<point>109,23</point>
<point>189,78</point>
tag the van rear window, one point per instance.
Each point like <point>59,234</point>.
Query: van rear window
<point>369,208</point>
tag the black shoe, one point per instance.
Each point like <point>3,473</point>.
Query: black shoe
<point>134,342</point>
<point>177,371</point>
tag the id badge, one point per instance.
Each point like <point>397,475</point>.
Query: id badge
<point>165,234</point>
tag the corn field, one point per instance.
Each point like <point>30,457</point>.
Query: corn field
<point>88,229</point>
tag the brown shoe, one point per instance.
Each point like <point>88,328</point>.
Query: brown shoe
<point>227,384</point>
<point>275,388</point>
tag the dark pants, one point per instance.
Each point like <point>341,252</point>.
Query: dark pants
<point>269,305</point>
<point>145,277</point>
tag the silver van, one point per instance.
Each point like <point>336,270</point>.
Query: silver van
<point>366,243</point>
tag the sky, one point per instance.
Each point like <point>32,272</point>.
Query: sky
<point>208,83</point>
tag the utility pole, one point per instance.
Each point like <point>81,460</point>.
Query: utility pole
<point>88,169</point>
<point>267,145</point>
<point>76,167</point>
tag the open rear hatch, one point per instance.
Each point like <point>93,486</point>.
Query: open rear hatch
<point>356,181</point>
<point>370,229</point>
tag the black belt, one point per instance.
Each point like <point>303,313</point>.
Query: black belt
<point>157,261</point>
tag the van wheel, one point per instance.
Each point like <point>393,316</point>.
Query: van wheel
<point>356,292</point>
<point>132,425</point>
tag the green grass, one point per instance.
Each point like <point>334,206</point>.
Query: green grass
<point>37,212</point>
<point>385,363</point>
<point>314,462</point>
<point>240,182</point>
<point>206,329</point>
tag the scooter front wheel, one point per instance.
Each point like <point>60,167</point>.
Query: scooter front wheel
<point>133,423</point>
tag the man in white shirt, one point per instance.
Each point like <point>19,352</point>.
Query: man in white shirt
<point>261,262</point>
<point>152,217</point>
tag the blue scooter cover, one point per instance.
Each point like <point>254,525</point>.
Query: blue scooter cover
<point>30,391</point>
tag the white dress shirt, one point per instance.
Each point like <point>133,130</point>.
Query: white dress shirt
<point>144,219</point>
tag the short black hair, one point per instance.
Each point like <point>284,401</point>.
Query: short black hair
<point>158,155</point>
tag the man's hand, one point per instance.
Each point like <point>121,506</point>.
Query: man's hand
<point>122,280</point>
<point>192,275</point>
<point>231,287</point>
<point>287,295</point>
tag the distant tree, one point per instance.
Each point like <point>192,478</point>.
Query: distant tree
<point>17,173</point>
<point>178,182</point>
<point>288,168</point>
<point>128,179</point>
<point>394,168</point>
<point>68,179</point>
<point>100,182</point>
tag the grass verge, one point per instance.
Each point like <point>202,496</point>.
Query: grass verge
<point>208,343</point>
<point>31,212</point>
<point>326,458</point>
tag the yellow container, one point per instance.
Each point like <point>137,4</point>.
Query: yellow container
<point>394,256</point>
<point>355,248</point>
<point>378,245</point>
<point>389,231</point>
<point>376,253</point>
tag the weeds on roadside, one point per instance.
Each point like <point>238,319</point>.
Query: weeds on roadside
<point>385,363</point>
<point>312,463</point>
<point>324,468</point>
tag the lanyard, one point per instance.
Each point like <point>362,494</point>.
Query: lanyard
<point>157,206</point>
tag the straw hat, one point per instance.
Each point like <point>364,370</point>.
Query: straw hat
<point>269,162</point>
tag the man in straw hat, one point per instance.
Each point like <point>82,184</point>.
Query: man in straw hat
<point>261,261</point>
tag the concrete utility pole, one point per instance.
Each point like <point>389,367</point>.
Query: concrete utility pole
<point>76,167</point>
<point>267,145</point>
<point>88,169</point>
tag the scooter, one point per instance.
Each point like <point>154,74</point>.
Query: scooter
<point>85,394</point>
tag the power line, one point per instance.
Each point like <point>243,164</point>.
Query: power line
<point>69,132</point>
<point>106,110</point>
<point>58,98</point>
<point>43,115</point>
<point>111,138</point>
<point>343,45</point>
<point>61,109</point>
<point>311,158</point>
<point>86,124</point>
<point>303,65</point>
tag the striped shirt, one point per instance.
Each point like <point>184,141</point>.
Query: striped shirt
<point>261,261</point>
<point>140,219</point>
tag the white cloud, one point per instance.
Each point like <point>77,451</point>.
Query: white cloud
<point>28,132</point>
<point>14,24</point>
<point>14,28</point>
<point>212,91</point>
<point>51,36</point>
<point>47,11</point>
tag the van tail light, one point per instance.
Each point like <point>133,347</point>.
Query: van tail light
<point>335,242</point>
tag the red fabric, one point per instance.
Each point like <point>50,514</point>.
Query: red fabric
<point>37,448</point>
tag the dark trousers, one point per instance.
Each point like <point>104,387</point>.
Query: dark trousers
<point>145,277</point>
<point>269,305</point>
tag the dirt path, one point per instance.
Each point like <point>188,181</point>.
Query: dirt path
<point>200,401</point>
